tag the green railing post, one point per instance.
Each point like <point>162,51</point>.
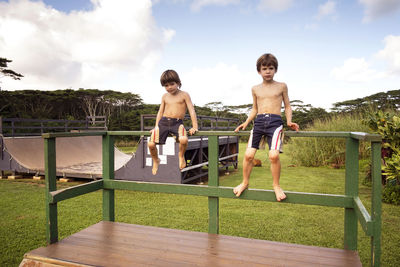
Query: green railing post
<point>213,202</point>
<point>376,208</point>
<point>351,189</point>
<point>108,174</point>
<point>51,185</point>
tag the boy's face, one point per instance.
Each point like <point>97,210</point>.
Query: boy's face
<point>171,87</point>
<point>267,72</point>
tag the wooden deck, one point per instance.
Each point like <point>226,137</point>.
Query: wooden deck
<point>121,244</point>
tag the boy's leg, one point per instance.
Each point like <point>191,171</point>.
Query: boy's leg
<point>247,167</point>
<point>155,137</point>
<point>154,155</point>
<point>183,142</point>
<point>276,173</point>
<point>181,134</point>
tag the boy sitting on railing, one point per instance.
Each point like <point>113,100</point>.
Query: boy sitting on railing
<point>267,101</point>
<point>169,119</point>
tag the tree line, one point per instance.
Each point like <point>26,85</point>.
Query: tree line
<point>123,110</point>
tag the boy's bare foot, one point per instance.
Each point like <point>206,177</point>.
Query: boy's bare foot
<point>239,189</point>
<point>182,163</point>
<point>155,166</point>
<point>280,195</point>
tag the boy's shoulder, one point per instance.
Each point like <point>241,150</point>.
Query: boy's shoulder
<point>179,94</point>
<point>183,94</point>
<point>274,84</point>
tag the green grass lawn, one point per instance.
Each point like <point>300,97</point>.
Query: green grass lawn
<point>22,211</point>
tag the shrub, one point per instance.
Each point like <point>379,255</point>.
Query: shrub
<point>391,193</point>
<point>387,124</point>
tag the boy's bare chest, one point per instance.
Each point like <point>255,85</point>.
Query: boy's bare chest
<point>174,100</point>
<point>269,93</point>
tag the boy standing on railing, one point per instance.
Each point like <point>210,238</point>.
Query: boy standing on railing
<point>169,118</point>
<point>267,102</point>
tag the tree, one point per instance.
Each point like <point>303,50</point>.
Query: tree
<point>389,100</point>
<point>305,114</point>
<point>217,107</point>
<point>7,72</point>
<point>107,103</point>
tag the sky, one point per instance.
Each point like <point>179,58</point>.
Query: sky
<point>328,51</point>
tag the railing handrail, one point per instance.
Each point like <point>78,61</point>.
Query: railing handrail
<point>10,126</point>
<point>356,135</point>
<point>201,119</point>
<point>350,201</point>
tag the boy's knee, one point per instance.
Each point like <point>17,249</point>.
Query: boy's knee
<point>151,145</point>
<point>248,157</point>
<point>183,140</point>
<point>273,156</point>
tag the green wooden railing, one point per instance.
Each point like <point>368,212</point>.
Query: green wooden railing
<point>355,211</point>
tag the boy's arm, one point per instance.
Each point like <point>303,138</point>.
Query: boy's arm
<point>160,111</point>
<point>252,115</point>
<point>288,109</point>
<point>192,113</point>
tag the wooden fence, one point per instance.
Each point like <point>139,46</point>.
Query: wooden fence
<point>354,209</point>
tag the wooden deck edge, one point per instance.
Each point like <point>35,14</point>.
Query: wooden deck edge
<point>31,260</point>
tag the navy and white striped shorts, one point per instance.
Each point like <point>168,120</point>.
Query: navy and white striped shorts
<point>269,126</point>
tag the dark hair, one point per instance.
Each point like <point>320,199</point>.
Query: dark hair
<point>170,76</point>
<point>267,60</point>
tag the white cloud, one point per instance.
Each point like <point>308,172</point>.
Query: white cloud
<point>379,8</point>
<point>53,49</point>
<point>327,9</point>
<point>274,6</point>
<point>199,4</point>
<point>356,70</point>
<point>391,54</point>
<point>222,82</point>
<point>358,77</point>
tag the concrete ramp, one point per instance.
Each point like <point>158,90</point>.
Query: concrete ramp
<point>75,156</point>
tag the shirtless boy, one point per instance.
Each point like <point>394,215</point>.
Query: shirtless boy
<point>169,118</point>
<point>267,101</point>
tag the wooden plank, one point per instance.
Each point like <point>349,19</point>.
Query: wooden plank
<point>356,135</point>
<point>213,180</point>
<point>120,244</point>
<point>376,207</point>
<point>351,189</point>
<point>227,192</point>
<point>74,191</point>
<point>145,233</point>
<point>363,216</point>
<point>51,185</point>
<point>366,136</point>
<point>108,174</point>
<point>74,134</point>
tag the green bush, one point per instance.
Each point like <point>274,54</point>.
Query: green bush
<point>313,152</point>
<point>391,193</point>
<point>387,124</point>
<point>392,166</point>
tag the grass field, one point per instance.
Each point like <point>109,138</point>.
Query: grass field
<point>22,211</point>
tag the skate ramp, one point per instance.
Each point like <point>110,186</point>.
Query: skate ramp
<point>75,156</point>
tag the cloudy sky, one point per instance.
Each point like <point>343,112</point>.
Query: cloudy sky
<point>328,51</point>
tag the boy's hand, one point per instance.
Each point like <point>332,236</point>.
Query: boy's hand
<point>241,126</point>
<point>294,126</point>
<point>192,131</point>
